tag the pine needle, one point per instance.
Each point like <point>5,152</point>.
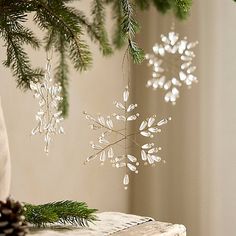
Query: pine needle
<point>129,29</point>
<point>62,212</point>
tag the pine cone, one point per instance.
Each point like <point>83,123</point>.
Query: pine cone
<point>12,221</point>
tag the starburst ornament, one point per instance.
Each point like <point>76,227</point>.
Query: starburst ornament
<point>172,65</point>
<point>48,117</point>
<point>116,141</point>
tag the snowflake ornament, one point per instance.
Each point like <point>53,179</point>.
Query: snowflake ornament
<point>114,143</point>
<point>48,117</point>
<point>172,65</point>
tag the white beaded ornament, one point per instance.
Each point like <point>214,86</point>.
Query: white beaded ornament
<point>114,139</point>
<point>48,117</point>
<point>172,65</point>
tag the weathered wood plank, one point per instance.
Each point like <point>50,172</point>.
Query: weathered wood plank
<point>118,224</point>
<point>154,228</point>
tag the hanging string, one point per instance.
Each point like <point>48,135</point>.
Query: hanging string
<point>126,58</point>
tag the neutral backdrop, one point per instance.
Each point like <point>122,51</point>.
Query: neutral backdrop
<point>196,185</point>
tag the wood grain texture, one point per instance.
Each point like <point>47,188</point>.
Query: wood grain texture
<point>154,228</point>
<point>118,224</point>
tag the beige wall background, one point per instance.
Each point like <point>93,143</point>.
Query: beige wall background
<point>196,186</point>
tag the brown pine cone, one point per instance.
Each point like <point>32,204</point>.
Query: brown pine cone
<point>12,221</point>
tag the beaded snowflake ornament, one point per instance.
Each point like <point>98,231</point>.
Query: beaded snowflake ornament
<point>115,140</point>
<point>48,117</point>
<point>172,65</point>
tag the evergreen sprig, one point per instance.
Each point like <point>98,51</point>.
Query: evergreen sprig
<point>64,28</point>
<point>61,75</point>
<point>98,13</point>
<point>181,8</point>
<point>63,212</point>
<point>129,29</point>
<point>118,37</point>
<point>15,36</point>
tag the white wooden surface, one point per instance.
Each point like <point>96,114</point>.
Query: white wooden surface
<point>154,228</point>
<point>119,224</point>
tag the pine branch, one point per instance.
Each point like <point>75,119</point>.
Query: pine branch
<point>50,16</point>
<point>118,39</point>
<point>61,75</point>
<point>93,31</point>
<point>129,29</point>
<point>163,5</point>
<point>182,8</point>
<point>98,13</point>
<point>64,212</point>
<point>136,52</point>
<point>15,36</point>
